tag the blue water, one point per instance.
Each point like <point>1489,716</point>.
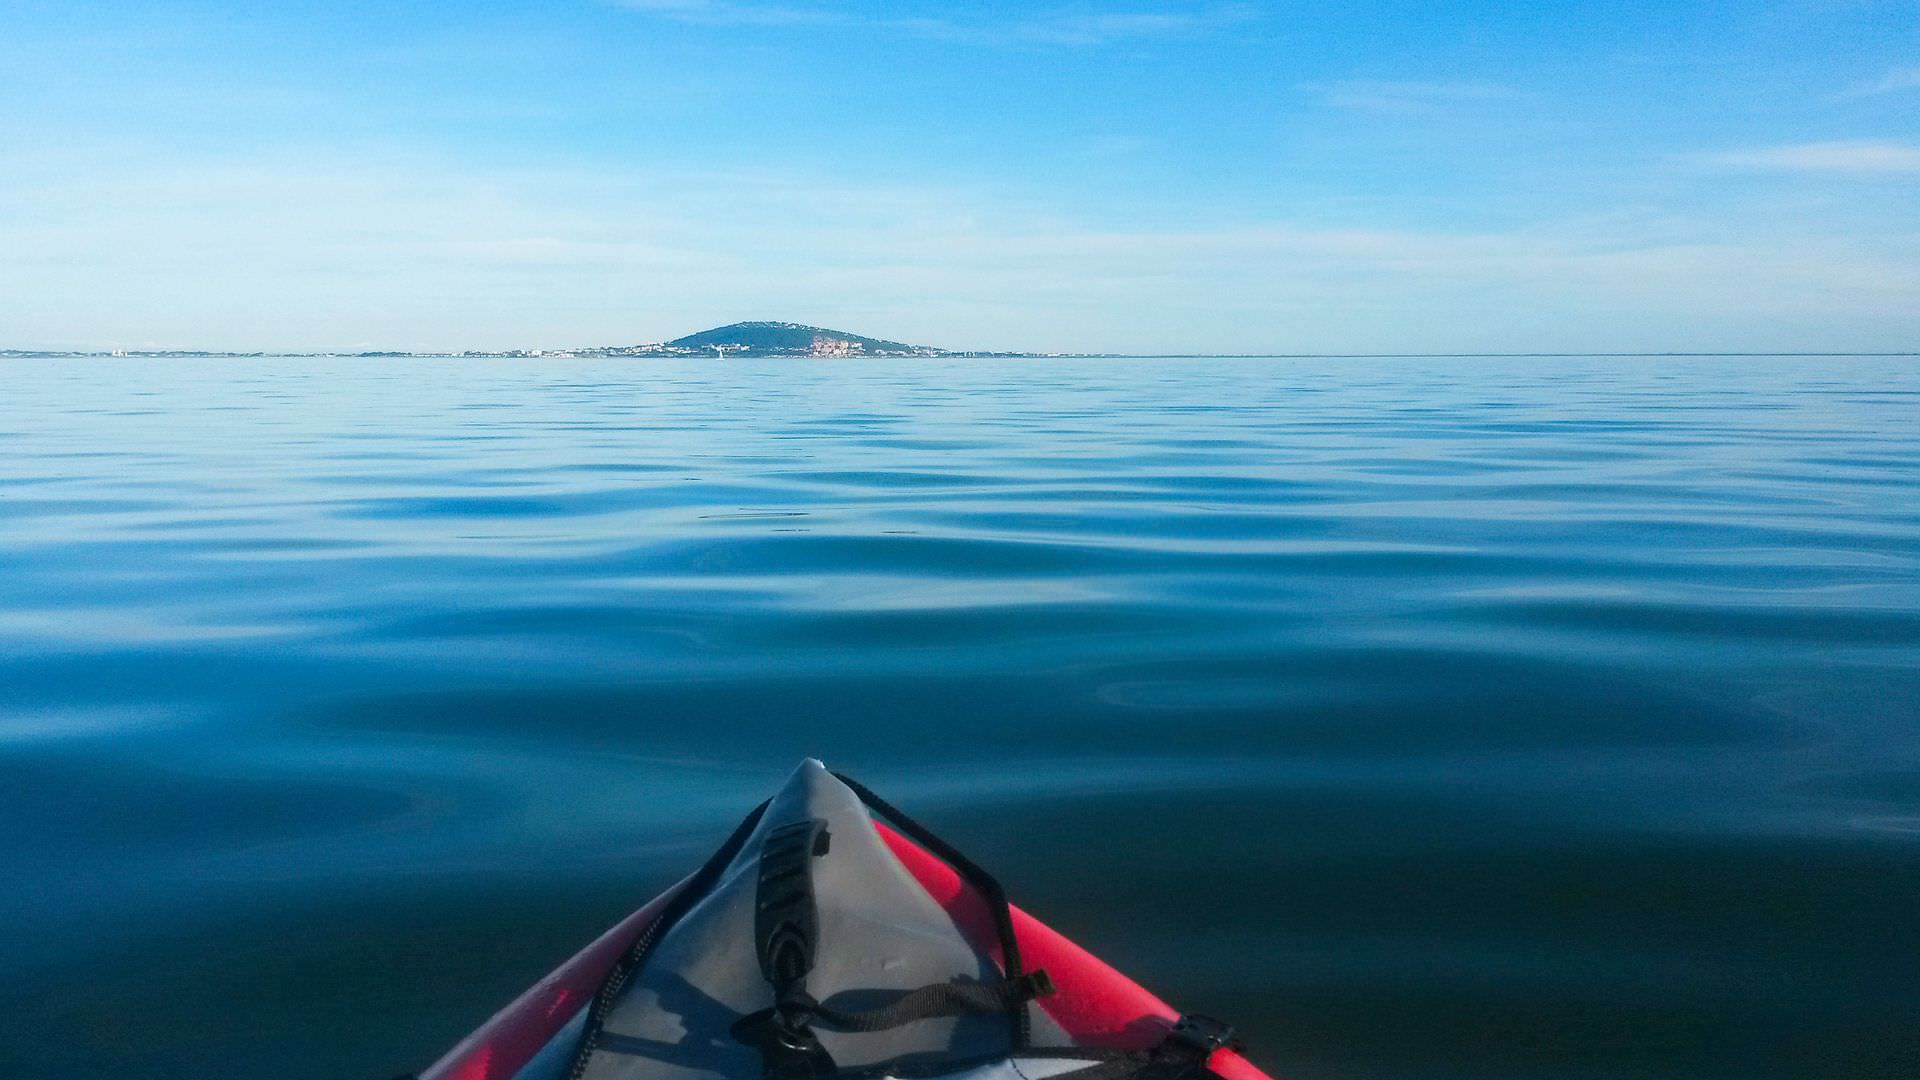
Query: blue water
<point>1426,717</point>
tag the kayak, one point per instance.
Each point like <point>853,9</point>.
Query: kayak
<point>833,937</point>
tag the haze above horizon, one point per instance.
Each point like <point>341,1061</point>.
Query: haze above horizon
<point>1100,177</point>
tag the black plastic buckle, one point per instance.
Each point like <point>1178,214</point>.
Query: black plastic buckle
<point>1203,1035</point>
<point>1033,985</point>
<point>789,1050</point>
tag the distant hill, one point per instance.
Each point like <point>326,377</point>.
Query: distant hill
<point>786,337</point>
<point>775,339</point>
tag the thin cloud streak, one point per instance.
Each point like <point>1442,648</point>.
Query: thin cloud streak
<point>1892,83</point>
<point>1859,157</point>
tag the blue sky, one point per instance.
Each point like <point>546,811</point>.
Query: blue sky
<point>1447,176</point>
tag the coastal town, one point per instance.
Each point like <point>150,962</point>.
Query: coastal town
<point>741,340</point>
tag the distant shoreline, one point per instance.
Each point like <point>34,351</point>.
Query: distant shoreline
<point>595,354</point>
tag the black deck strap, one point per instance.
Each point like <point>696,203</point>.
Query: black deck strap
<point>1182,1055</point>
<point>786,930</point>
<point>629,963</point>
<point>988,887</point>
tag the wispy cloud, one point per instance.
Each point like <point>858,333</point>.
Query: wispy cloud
<point>1064,28</point>
<point>1405,97</point>
<point>1860,157</point>
<point>1892,82</point>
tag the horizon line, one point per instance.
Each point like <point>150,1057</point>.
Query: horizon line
<point>596,352</point>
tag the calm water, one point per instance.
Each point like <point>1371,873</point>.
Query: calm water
<point>1465,717</point>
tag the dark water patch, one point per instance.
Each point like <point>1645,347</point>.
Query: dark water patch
<point>1894,787</point>
<point>1388,702</point>
<point>393,952</point>
<point>1407,936</point>
<point>59,806</point>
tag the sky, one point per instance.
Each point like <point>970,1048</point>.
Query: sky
<point>1452,176</point>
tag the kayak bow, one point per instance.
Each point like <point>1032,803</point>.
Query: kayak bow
<point>833,938</point>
